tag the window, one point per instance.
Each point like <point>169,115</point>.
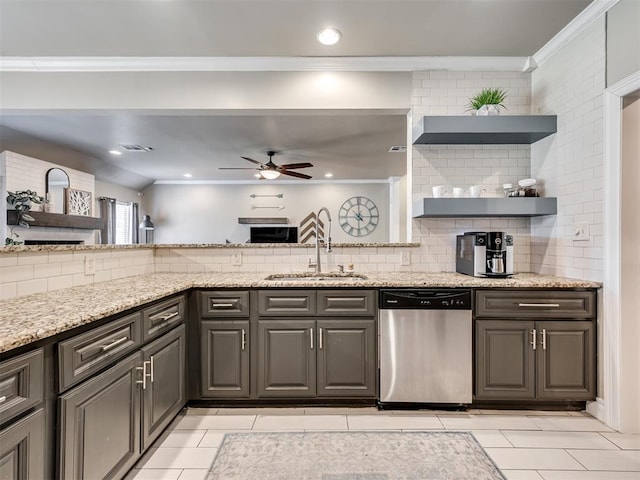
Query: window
<point>124,222</point>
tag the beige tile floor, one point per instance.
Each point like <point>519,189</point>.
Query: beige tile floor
<point>526,445</point>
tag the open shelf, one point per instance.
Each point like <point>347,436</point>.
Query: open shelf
<point>59,220</point>
<point>484,207</point>
<point>263,220</point>
<point>483,130</point>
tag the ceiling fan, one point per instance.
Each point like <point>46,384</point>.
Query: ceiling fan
<point>271,171</point>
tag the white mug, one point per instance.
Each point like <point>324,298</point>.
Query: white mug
<point>476,190</point>
<point>439,191</point>
<point>458,192</point>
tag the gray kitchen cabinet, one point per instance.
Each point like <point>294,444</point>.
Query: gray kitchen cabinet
<point>546,360</point>
<point>505,361</point>
<point>565,362</point>
<point>535,345</point>
<point>22,447</point>
<point>286,358</point>
<point>327,350</point>
<point>224,368</point>
<point>164,389</point>
<point>346,357</point>
<point>100,423</point>
<point>21,384</point>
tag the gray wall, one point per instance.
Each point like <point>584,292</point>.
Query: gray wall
<point>209,213</point>
<point>623,40</point>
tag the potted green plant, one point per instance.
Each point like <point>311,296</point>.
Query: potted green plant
<point>21,203</point>
<point>488,101</point>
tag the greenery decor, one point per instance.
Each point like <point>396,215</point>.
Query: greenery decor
<point>488,96</point>
<point>21,203</point>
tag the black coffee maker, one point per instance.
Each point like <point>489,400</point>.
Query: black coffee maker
<point>484,254</point>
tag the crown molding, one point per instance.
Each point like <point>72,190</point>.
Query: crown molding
<point>262,182</point>
<point>573,29</point>
<point>258,64</point>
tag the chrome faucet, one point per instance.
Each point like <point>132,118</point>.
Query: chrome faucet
<point>326,239</point>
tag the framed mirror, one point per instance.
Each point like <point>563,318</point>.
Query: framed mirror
<point>57,181</point>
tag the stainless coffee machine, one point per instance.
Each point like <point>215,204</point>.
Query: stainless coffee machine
<point>484,254</point>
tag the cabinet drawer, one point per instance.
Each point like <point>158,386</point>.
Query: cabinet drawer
<point>349,303</point>
<point>224,304</point>
<point>535,304</point>
<point>162,317</point>
<point>286,302</point>
<point>81,356</point>
<point>21,384</point>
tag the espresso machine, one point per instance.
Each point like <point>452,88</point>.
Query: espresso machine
<point>484,254</point>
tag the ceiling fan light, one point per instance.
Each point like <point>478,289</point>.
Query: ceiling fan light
<point>329,36</point>
<point>270,174</point>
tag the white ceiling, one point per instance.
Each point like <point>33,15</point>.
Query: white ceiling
<point>352,145</point>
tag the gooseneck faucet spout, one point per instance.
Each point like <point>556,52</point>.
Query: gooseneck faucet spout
<point>326,238</point>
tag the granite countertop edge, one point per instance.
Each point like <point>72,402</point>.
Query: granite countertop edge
<point>26,319</point>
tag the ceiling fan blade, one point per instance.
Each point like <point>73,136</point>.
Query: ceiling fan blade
<point>252,160</point>
<point>295,174</point>
<point>297,165</point>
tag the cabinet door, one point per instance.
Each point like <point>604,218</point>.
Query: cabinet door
<point>286,358</point>
<point>225,358</point>
<point>164,393</point>
<point>504,360</point>
<point>346,358</point>
<point>100,424</point>
<point>22,449</point>
<point>565,367</point>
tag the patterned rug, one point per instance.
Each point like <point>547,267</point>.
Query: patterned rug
<point>352,456</point>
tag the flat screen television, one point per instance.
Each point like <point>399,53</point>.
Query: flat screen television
<point>274,235</point>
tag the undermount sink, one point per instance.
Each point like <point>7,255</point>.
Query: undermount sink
<point>313,277</point>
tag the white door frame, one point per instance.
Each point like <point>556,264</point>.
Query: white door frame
<point>612,322</point>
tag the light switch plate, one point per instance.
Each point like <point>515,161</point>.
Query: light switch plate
<point>236,259</point>
<point>405,257</point>
<point>581,231</point>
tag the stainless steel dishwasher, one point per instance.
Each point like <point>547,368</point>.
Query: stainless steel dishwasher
<point>425,346</point>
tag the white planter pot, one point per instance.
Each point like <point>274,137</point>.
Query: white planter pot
<point>488,110</point>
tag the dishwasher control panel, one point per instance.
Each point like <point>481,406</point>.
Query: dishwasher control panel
<point>425,299</point>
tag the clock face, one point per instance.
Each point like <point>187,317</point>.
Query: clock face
<point>359,216</point>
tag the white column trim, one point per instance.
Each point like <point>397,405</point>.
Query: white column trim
<point>612,245</point>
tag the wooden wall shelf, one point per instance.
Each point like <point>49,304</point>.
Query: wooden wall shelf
<point>59,220</point>
<point>263,220</point>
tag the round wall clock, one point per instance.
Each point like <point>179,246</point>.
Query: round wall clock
<point>359,216</point>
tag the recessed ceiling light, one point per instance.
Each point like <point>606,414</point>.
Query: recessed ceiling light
<point>329,36</point>
<point>115,152</point>
<point>328,175</point>
<point>188,175</point>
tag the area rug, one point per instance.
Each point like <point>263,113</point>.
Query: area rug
<point>352,456</point>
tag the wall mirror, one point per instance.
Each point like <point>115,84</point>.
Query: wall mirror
<point>56,181</point>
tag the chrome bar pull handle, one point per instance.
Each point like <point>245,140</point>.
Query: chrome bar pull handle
<point>244,339</point>
<point>542,305</point>
<point>113,344</point>
<point>221,305</point>
<point>3,398</point>
<point>533,335</point>
<point>320,338</point>
<point>169,316</point>
<point>544,339</point>
<point>151,368</point>
<point>143,382</point>
<point>311,337</point>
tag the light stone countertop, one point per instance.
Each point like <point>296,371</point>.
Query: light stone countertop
<point>33,317</point>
